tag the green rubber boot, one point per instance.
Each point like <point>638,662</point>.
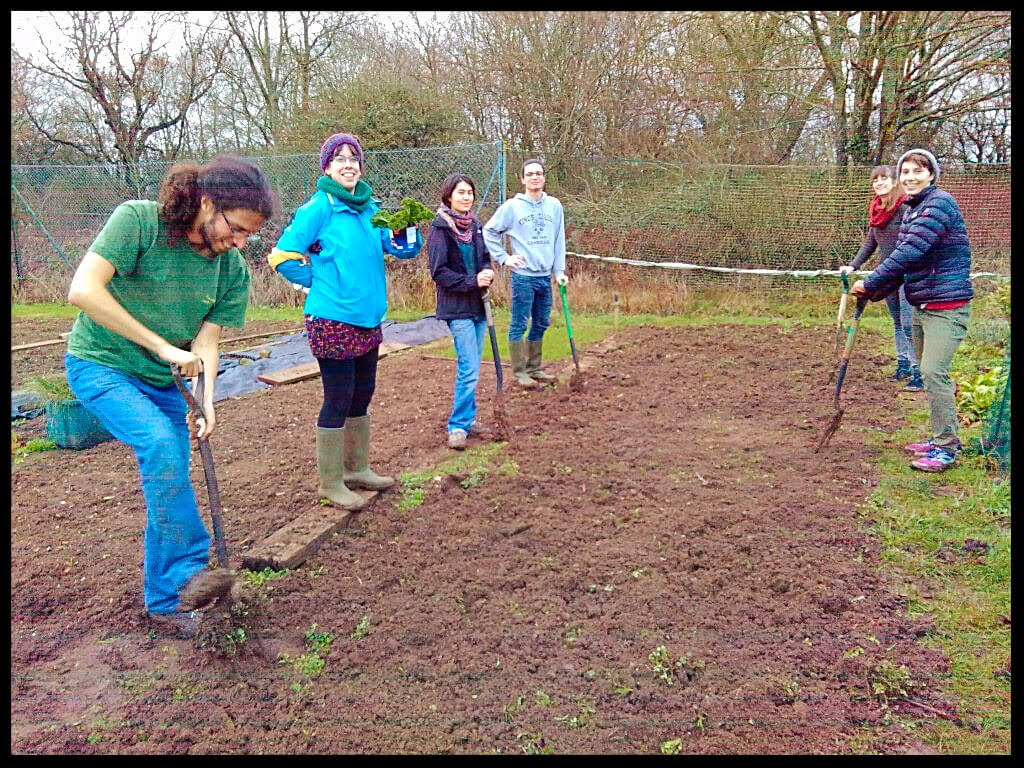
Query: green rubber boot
<point>330,463</point>
<point>533,361</point>
<point>357,456</point>
<point>517,351</point>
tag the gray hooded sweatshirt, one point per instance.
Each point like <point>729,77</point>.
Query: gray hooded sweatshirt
<point>536,230</point>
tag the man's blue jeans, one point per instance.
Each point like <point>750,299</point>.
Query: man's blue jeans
<point>152,421</point>
<point>468,334</point>
<point>902,314</point>
<point>531,300</point>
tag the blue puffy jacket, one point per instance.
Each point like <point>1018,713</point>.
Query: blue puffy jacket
<point>932,257</point>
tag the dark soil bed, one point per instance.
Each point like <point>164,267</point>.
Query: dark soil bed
<point>675,501</point>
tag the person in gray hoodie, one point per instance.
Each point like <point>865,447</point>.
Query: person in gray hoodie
<point>535,224</point>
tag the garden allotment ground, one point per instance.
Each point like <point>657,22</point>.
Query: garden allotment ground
<point>657,562</point>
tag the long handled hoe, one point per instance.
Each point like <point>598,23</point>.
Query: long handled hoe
<point>837,416</point>
<point>576,380</point>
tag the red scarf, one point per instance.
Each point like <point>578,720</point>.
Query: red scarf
<point>877,215</point>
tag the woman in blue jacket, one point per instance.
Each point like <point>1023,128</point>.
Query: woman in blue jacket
<point>933,261</point>
<point>344,310</point>
<point>885,215</point>
<point>461,267</point>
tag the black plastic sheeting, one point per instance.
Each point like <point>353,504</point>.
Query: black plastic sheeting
<point>236,375</point>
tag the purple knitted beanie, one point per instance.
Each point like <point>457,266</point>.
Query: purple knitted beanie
<point>331,145</point>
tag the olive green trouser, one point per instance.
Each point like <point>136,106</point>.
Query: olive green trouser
<point>936,334</point>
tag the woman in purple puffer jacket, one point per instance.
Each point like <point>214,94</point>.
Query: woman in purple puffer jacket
<point>933,262</point>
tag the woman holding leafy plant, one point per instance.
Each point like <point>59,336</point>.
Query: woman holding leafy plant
<point>932,259</point>
<point>461,267</point>
<point>333,247</point>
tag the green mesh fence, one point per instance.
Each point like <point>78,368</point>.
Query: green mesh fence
<point>995,439</point>
<point>773,225</point>
<point>57,211</point>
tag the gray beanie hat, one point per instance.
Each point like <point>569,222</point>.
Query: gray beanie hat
<point>926,153</point>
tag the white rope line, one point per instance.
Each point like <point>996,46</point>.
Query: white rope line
<point>791,272</point>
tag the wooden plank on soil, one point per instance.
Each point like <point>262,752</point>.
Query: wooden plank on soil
<point>291,375</point>
<point>312,370</point>
<point>388,347</point>
<point>292,545</point>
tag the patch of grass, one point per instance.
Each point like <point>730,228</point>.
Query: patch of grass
<point>474,463</point>
<point>20,450</point>
<point>950,532</point>
<point>43,311</point>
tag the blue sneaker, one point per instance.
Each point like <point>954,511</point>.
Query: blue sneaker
<point>902,371</point>
<point>916,383</point>
<point>936,460</point>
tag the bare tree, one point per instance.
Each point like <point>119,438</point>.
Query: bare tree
<point>897,76</point>
<point>115,95</point>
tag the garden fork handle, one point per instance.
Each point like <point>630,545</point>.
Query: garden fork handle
<point>194,403</point>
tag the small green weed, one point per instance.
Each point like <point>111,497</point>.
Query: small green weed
<point>665,669</point>
<point>312,663</point>
<point>534,744</point>
<point>256,579</point>
<point>544,700</point>
<point>513,708</point>
<point>672,747</point>
<point>363,628</point>
<point>890,681</point>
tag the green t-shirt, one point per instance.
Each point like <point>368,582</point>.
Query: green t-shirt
<point>170,289</point>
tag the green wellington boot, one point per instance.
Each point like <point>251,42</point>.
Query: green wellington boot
<point>535,351</point>
<point>357,456</point>
<point>517,351</point>
<point>330,463</point>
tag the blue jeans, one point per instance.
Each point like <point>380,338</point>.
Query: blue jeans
<point>152,421</point>
<point>902,314</point>
<point>531,300</point>
<point>468,334</point>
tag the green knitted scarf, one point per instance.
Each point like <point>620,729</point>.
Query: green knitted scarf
<point>358,199</point>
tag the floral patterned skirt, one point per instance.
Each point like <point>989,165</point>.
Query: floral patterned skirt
<point>335,340</point>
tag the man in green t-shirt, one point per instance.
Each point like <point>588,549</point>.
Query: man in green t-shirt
<point>155,288</point>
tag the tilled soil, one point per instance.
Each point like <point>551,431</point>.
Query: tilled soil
<point>657,556</point>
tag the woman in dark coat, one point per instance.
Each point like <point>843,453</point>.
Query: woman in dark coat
<point>885,215</point>
<point>933,261</point>
<point>461,267</point>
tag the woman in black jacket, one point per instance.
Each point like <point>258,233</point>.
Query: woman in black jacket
<point>461,267</point>
<point>933,261</point>
<point>885,215</point>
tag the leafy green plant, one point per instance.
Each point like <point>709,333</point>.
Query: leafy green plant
<point>50,389</point>
<point>977,393</point>
<point>411,212</point>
